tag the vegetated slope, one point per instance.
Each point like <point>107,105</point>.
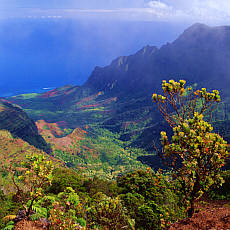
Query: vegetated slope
<point>15,149</point>
<point>17,122</point>
<point>12,151</point>
<point>10,146</point>
<point>118,96</point>
<point>92,151</point>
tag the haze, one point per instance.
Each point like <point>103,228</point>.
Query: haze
<point>47,44</point>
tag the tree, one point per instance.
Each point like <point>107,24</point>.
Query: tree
<point>195,153</point>
<point>179,104</point>
<point>38,173</point>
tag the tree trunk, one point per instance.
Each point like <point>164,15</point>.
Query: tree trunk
<point>30,207</point>
<point>191,209</point>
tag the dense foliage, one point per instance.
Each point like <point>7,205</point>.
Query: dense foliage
<point>138,200</point>
<point>94,151</point>
<point>150,198</point>
<point>97,182</point>
<point>195,153</point>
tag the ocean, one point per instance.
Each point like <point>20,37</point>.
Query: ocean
<point>43,53</point>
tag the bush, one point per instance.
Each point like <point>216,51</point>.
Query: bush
<point>153,193</point>
<point>64,212</point>
<point>63,178</point>
<point>96,184</point>
<point>147,218</point>
<point>132,201</point>
<point>108,213</point>
<point>195,153</point>
<point>223,192</point>
<point>8,208</point>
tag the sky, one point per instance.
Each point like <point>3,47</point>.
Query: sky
<point>70,37</point>
<point>206,11</point>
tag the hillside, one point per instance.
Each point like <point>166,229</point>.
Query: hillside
<point>118,97</point>
<point>91,151</point>
<point>12,152</point>
<point>17,122</point>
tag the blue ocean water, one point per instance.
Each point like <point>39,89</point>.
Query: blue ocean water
<point>43,53</point>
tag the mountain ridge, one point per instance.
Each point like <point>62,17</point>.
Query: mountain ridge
<point>118,96</point>
<point>177,59</point>
<point>17,122</point>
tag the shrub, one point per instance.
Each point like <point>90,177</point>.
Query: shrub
<point>195,153</point>
<point>148,218</point>
<point>37,175</point>
<point>223,192</point>
<point>63,178</point>
<point>108,213</point>
<point>64,213</point>
<point>96,184</point>
<point>142,189</point>
<point>8,208</point>
<point>132,201</point>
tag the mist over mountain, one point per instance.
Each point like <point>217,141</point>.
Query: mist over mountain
<point>199,55</point>
<point>118,96</point>
<point>42,53</point>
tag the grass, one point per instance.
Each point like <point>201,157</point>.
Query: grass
<point>27,96</point>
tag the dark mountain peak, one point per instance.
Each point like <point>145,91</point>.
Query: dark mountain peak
<point>147,50</point>
<point>199,52</point>
<point>122,72</point>
<point>193,33</point>
<point>201,33</point>
<point>197,27</point>
<point>120,61</point>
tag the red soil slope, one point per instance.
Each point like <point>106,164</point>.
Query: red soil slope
<point>215,215</point>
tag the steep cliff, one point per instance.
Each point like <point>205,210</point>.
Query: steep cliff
<point>17,122</point>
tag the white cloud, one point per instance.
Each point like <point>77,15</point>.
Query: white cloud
<point>164,11</point>
<point>208,11</point>
<point>159,5</point>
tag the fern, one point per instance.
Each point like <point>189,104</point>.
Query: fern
<point>52,199</point>
<point>9,217</point>
<point>36,216</point>
<point>9,226</point>
<point>40,211</point>
<point>45,201</point>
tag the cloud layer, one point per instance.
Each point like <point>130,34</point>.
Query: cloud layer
<point>207,11</point>
<point>211,11</point>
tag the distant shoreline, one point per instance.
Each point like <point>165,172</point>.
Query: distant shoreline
<point>18,92</point>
